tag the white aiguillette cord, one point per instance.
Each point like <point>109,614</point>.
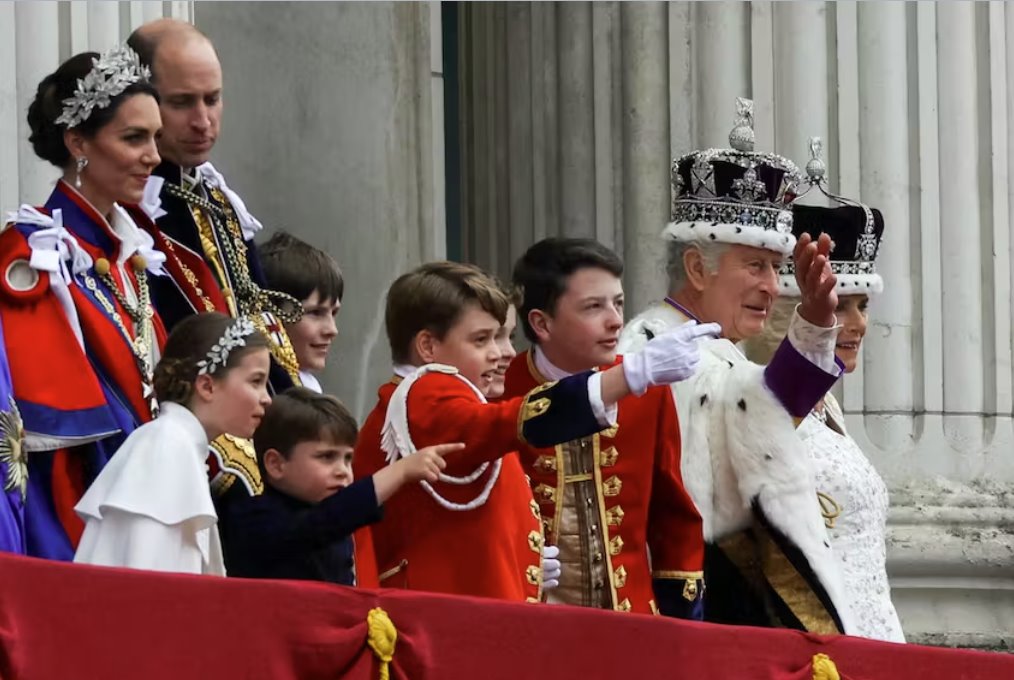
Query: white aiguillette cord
<point>397,442</point>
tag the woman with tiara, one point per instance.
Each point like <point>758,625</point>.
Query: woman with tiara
<point>79,329</point>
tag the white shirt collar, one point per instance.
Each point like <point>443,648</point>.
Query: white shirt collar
<point>310,382</point>
<point>404,370</point>
<point>548,370</point>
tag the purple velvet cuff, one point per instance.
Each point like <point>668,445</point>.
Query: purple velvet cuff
<point>797,383</point>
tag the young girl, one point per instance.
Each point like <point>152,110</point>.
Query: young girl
<point>151,507</point>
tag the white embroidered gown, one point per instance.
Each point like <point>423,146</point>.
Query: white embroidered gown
<point>845,474</point>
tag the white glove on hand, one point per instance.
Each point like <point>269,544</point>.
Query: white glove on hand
<point>551,568</point>
<point>667,358</point>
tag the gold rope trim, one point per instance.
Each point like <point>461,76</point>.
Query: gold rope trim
<point>381,637</point>
<point>824,668</point>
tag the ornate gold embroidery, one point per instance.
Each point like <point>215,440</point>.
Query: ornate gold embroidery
<point>535,541</point>
<point>615,545</point>
<point>690,590</point>
<point>546,463</point>
<point>535,509</point>
<point>610,432</point>
<point>533,574</point>
<point>612,486</point>
<point>624,606</point>
<point>675,573</point>
<point>620,577</point>
<point>191,278</point>
<point>237,458</point>
<point>614,516</point>
<point>546,493</point>
<point>607,457</point>
<point>534,409</point>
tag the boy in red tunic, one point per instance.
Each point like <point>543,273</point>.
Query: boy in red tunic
<point>609,499</point>
<point>477,531</point>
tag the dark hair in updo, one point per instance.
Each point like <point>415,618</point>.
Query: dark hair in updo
<point>188,344</point>
<point>47,136</point>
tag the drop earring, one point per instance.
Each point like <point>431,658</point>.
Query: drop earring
<point>82,163</point>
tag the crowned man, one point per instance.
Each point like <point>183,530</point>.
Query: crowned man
<point>204,227</point>
<point>767,557</point>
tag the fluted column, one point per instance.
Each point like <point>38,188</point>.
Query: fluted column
<point>801,104</point>
<point>645,133</point>
<point>961,222</point>
<point>577,119</point>
<point>38,55</point>
<point>361,189</point>
<point>721,42</point>
<point>888,368</point>
<point>103,25</point>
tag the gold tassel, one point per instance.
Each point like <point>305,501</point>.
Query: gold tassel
<point>381,638</point>
<point>824,668</point>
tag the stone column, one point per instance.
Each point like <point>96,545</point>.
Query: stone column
<point>37,54</point>
<point>721,39</point>
<point>577,119</point>
<point>888,370</point>
<point>961,222</point>
<point>801,105</point>
<point>645,135</point>
<point>330,134</point>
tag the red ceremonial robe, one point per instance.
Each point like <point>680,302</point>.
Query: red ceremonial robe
<point>493,550</point>
<point>642,501</point>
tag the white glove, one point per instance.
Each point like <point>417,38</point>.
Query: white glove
<point>667,358</point>
<point>551,568</point>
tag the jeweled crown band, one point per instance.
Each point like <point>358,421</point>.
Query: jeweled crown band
<point>111,74</point>
<point>727,212</point>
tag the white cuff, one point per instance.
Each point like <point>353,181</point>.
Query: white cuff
<point>815,343</point>
<point>606,416</point>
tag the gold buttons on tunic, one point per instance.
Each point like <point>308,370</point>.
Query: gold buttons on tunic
<point>608,456</point>
<point>614,516</point>
<point>611,487</point>
<point>620,577</point>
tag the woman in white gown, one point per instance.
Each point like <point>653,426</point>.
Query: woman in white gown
<point>852,495</point>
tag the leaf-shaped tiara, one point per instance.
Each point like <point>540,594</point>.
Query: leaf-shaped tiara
<point>235,336</point>
<point>111,74</point>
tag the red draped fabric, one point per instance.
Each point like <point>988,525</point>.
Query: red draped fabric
<point>61,620</point>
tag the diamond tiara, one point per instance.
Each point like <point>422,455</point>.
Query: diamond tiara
<point>235,336</point>
<point>111,74</point>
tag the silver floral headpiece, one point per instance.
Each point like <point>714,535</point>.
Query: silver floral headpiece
<point>111,74</point>
<point>235,336</point>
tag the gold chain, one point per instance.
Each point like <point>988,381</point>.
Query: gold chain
<point>140,344</point>
<point>191,277</point>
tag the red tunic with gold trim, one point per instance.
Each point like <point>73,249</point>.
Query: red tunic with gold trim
<point>74,372</point>
<point>608,499</point>
<point>495,549</point>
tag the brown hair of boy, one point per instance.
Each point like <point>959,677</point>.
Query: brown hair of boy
<point>188,344</point>
<point>432,298</point>
<point>300,415</point>
<point>293,266</point>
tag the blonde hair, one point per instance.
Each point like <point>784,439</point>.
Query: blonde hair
<point>761,347</point>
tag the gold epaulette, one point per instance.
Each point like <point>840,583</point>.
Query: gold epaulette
<point>237,460</point>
